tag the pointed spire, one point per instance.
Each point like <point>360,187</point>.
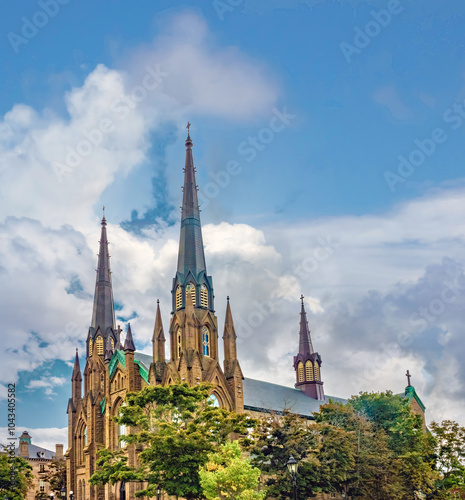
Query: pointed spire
<point>305,342</point>
<point>77,369</point>
<point>191,255</point>
<point>158,337</point>
<point>158,333</point>
<point>108,350</point>
<point>229,335</point>
<point>103,314</point>
<point>129,342</point>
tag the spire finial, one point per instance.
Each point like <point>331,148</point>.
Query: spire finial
<point>103,217</point>
<point>227,298</point>
<point>158,301</point>
<point>302,299</point>
<point>408,378</point>
<point>188,131</point>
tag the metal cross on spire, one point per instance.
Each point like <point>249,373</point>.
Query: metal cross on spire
<point>302,299</point>
<point>408,378</point>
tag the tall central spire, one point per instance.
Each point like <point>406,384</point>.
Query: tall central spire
<point>191,255</point>
<point>103,314</point>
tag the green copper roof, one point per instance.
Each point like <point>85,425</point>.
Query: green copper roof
<point>143,372</point>
<point>102,405</point>
<point>118,357</point>
<point>411,393</point>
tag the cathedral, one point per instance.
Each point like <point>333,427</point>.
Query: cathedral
<point>114,367</point>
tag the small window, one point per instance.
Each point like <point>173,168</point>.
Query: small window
<point>84,436</point>
<point>178,298</point>
<point>309,371</point>
<point>205,341</point>
<point>204,296</point>
<point>91,347</point>
<point>190,288</point>
<point>317,371</point>
<point>300,371</point>
<point>41,468</point>
<point>42,486</point>
<point>99,343</point>
<point>214,401</point>
<point>112,342</point>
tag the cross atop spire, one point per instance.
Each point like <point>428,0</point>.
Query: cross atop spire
<point>305,342</point>
<point>408,378</point>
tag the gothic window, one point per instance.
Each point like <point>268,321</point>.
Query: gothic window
<point>84,436</point>
<point>83,490</point>
<point>214,401</point>
<point>99,343</point>
<point>112,342</point>
<point>122,430</point>
<point>190,288</point>
<point>179,342</point>
<point>42,468</point>
<point>300,371</point>
<point>204,296</point>
<point>178,298</point>
<point>309,370</point>
<point>205,341</point>
<point>91,347</point>
<point>42,487</point>
<point>317,371</point>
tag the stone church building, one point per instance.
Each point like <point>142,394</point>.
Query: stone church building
<point>114,367</point>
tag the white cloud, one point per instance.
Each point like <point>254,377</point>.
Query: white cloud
<point>44,437</point>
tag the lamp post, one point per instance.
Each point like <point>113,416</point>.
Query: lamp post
<point>292,465</point>
<point>71,495</point>
<point>158,493</point>
<point>63,493</point>
<point>51,495</point>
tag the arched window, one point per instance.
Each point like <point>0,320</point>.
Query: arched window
<point>204,296</point>
<point>179,342</point>
<point>99,343</point>
<point>112,342</point>
<point>205,341</point>
<point>178,297</point>
<point>84,436</point>
<point>83,490</point>
<point>190,288</point>
<point>309,370</point>
<point>214,401</point>
<point>300,371</point>
<point>122,430</point>
<point>91,347</point>
<point>317,371</point>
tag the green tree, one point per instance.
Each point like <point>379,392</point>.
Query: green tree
<point>55,476</point>
<point>411,467</point>
<point>15,477</point>
<point>449,452</point>
<point>177,427</point>
<point>228,476</point>
<point>277,438</point>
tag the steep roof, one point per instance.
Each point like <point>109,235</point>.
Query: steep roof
<point>265,397</point>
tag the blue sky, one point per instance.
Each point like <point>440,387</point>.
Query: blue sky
<point>299,120</point>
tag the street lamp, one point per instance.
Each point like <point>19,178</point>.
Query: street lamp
<point>52,495</point>
<point>158,493</point>
<point>292,465</point>
<point>63,493</point>
<point>71,495</point>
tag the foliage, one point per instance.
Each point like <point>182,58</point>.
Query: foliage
<point>448,441</point>
<point>227,476</point>
<point>178,427</point>
<point>277,438</point>
<point>15,477</point>
<point>55,476</point>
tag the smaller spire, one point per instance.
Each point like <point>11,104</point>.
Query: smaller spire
<point>77,369</point>
<point>229,335</point>
<point>108,350</point>
<point>305,343</point>
<point>158,333</point>
<point>129,342</point>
